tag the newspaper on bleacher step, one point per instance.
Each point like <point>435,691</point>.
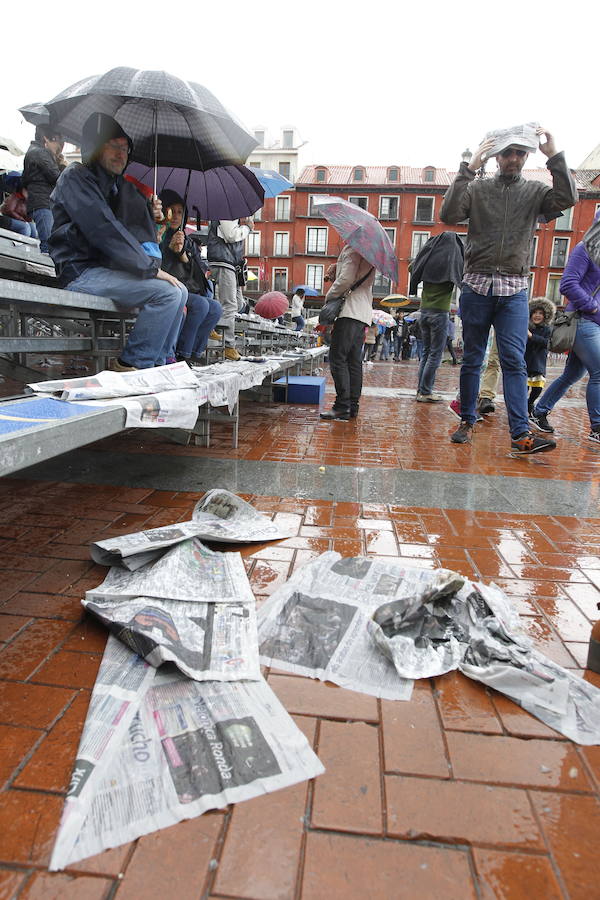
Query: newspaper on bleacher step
<point>317,624</point>
<point>192,607</point>
<point>106,385</point>
<point>219,516</point>
<point>158,748</point>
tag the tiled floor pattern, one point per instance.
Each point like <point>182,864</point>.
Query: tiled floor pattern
<point>456,794</point>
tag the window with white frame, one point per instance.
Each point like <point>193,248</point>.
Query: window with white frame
<point>282,209</point>
<point>391,233</point>
<point>316,240</point>
<point>388,207</point>
<point>382,285</point>
<point>253,244</point>
<point>254,165</point>
<point>358,174</point>
<point>424,209</point>
<point>257,215</point>
<point>281,243</point>
<point>313,209</point>
<point>280,280</point>
<point>564,221</point>
<point>560,251</point>
<point>359,201</point>
<point>393,173</point>
<point>321,175</point>
<point>314,277</point>
<point>429,174</point>
<point>534,246</point>
<point>284,169</point>
<point>288,139</point>
<point>419,238</point>
<point>553,289</point>
<point>260,137</point>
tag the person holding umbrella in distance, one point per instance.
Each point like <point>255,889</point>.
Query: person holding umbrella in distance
<point>367,250</point>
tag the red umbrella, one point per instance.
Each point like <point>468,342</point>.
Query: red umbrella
<point>272,305</point>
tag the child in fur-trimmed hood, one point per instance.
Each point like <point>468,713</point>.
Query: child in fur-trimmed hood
<point>541,316</point>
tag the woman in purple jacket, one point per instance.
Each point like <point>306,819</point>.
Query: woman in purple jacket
<point>580,284</point>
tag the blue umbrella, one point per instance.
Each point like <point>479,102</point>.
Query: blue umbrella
<point>273,183</point>
<point>308,291</point>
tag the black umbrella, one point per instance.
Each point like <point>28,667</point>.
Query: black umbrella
<point>35,114</point>
<point>172,122</point>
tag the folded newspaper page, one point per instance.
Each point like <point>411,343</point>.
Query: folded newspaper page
<point>444,622</point>
<point>317,624</point>
<point>210,634</point>
<point>158,748</point>
<point>523,137</point>
<point>219,516</point>
<point>189,571</point>
<point>108,384</point>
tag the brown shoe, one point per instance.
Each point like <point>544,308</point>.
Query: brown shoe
<point>116,365</point>
<point>232,354</point>
<point>463,434</point>
<point>214,336</point>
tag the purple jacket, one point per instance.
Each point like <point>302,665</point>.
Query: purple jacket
<point>580,279</point>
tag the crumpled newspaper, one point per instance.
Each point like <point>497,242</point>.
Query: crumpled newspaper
<point>523,137</point>
<point>453,624</point>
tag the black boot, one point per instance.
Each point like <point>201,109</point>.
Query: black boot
<point>342,415</point>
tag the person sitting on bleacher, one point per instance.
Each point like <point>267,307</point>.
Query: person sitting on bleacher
<point>103,242</point>
<point>181,257</point>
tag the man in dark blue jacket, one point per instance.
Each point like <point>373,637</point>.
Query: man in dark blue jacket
<point>103,242</point>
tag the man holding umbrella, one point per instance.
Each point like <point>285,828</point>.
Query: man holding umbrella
<point>104,242</point>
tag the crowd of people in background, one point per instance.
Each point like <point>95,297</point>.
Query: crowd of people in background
<point>108,235</point>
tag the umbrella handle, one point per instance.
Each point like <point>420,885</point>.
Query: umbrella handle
<point>155,146</point>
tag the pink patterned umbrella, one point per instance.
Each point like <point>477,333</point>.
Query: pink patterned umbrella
<point>362,231</point>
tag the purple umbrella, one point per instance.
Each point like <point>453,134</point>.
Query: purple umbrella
<point>228,192</point>
<point>362,232</point>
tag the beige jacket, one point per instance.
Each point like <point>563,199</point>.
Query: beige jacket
<point>350,268</point>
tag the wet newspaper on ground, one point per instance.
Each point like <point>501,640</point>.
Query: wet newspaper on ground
<point>443,622</point>
<point>192,607</point>
<point>219,516</point>
<point>317,624</point>
<point>158,748</point>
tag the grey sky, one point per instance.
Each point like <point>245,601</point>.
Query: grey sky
<point>370,83</point>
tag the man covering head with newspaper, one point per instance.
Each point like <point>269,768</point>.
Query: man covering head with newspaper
<point>503,212</point>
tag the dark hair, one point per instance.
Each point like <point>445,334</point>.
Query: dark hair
<point>301,292</point>
<point>45,131</point>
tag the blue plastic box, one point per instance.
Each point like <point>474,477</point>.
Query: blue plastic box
<point>301,389</point>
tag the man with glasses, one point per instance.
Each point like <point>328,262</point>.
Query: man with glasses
<point>104,242</point>
<point>503,212</point>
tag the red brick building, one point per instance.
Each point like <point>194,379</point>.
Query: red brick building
<point>293,245</point>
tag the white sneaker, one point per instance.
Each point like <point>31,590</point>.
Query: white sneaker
<point>429,398</point>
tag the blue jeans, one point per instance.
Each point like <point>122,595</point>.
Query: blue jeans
<point>584,357</point>
<point>158,320</point>
<point>25,228</point>
<point>202,316</point>
<point>44,220</point>
<point>299,320</point>
<point>509,316</point>
<point>434,328</point>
